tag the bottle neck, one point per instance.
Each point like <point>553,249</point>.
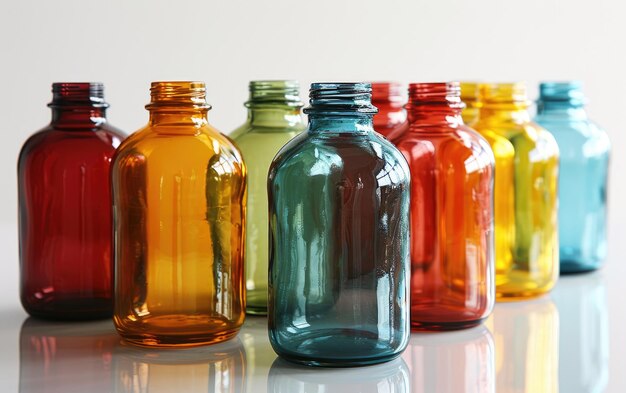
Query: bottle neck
<point>560,110</point>
<point>504,113</point>
<point>78,117</point>
<point>340,124</point>
<point>504,103</point>
<point>178,104</point>
<point>340,108</point>
<point>275,117</point>
<point>434,106</point>
<point>275,104</point>
<point>78,105</point>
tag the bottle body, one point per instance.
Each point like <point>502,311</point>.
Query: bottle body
<point>391,119</point>
<point>525,193</point>
<point>452,174</point>
<point>338,206</point>
<point>273,120</point>
<point>583,176</point>
<point>66,266</point>
<point>179,191</point>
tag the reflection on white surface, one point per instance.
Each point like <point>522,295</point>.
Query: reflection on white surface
<point>526,335</point>
<point>259,352</point>
<point>391,377</point>
<point>211,369</point>
<point>452,362</point>
<point>584,335</point>
<point>66,357</point>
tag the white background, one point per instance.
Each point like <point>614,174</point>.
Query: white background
<point>127,44</point>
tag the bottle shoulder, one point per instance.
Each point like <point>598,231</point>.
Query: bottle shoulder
<point>203,143</point>
<point>74,143</point>
<point>308,154</point>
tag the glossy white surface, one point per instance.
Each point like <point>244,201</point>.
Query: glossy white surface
<point>570,341</point>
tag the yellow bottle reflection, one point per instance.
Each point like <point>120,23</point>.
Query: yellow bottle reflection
<point>584,335</point>
<point>391,377</point>
<point>452,362</point>
<point>219,368</point>
<point>526,335</point>
<point>66,357</point>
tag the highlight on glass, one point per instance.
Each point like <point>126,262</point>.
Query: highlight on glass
<point>339,237</point>
<point>389,99</point>
<point>179,191</point>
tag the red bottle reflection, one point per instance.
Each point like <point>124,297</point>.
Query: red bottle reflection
<point>391,119</point>
<point>452,171</point>
<point>65,208</point>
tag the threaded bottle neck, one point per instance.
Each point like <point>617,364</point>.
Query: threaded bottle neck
<point>505,96</point>
<point>78,105</point>
<point>560,96</point>
<point>183,95</point>
<point>470,94</point>
<point>388,93</point>
<point>341,108</point>
<point>434,104</point>
<point>274,94</point>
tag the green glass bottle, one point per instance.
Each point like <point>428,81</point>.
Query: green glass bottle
<point>274,118</point>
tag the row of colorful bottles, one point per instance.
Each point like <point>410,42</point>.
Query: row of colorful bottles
<point>339,257</point>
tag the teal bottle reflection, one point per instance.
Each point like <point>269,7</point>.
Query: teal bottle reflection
<point>339,228</point>
<point>583,176</point>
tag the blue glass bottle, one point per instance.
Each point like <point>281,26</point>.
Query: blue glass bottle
<point>339,237</point>
<point>583,176</point>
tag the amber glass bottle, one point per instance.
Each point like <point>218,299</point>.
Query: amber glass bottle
<point>470,97</point>
<point>525,192</point>
<point>66,266</point>
<point>391,119</point>
<point>179,189</point>
<point>452,174</point>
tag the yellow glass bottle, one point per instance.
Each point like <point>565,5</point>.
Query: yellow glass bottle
<point>469,96</point>
<point>274,118</point>
<point>179,192</point>
<point>525,192</point>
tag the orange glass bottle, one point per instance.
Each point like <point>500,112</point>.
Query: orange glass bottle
<point>179,189</point>
<point>391,119</point>
<point>452,176</point>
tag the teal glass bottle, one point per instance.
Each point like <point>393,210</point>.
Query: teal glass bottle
<point>583,170</point>
<point>274,118</point>
<point>339,237</point>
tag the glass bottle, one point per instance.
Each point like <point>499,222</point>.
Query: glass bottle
<point>274,118</point>
<point>525,192</point>
<point>391,118</point>
<point>339,222</point>
<point>179,190</point>
<point>583,175</point>
<point>452,172</point>
<point>65,224</point>
<point>469,96</point>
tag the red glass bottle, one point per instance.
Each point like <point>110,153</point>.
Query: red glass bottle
<point>65,208</point>
<point>391,119</point>
<point>452,174</point>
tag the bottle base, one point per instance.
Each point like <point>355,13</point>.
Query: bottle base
<point>256,310</point>
<point>68,308</point>
<point>421,326</point>
<point>520,296</point>
<point>570,268</point>
<point>177,341</point>
<point>336,348</point>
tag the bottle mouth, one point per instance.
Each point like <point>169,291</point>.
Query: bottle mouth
<point>283,92</point>
<point>442,93</point>
<point>178,94</point>
<point>569,92</point>
<point>341,98</point>
<point>67,94</point>
<point>387,92</point>
<point>493,94</point>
